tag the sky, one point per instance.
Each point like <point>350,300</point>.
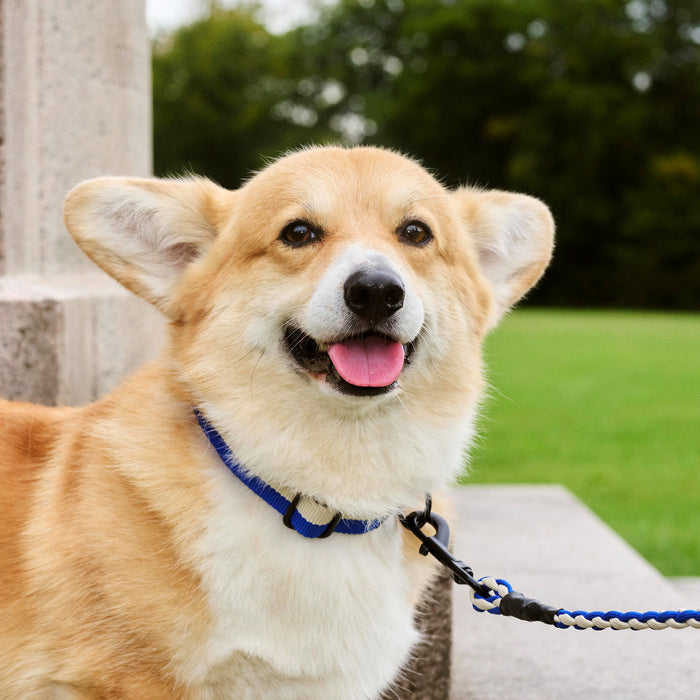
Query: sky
<point>279,15</point>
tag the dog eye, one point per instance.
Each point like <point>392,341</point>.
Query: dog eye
<point>299,233</point>
<point>415,233</point>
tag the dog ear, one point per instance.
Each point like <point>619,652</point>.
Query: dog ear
<point>145,232</point>
<point>513,235</point>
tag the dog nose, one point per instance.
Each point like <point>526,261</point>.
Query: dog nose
<point>374,294</point>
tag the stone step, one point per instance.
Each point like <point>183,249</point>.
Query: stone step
<point>68,339</point>
<point>550,546</point>
<point>689,587</point>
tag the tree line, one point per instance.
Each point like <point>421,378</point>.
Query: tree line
<point>592,105</point>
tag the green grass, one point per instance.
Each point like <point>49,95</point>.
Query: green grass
<point>608,404</point>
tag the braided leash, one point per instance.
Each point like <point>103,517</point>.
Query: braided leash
<point>501,592</point>
<point>497,597</point>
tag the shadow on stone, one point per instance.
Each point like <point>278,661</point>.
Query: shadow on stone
<point>427,675</point>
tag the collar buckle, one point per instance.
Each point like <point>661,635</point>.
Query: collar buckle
<point>291,509</point>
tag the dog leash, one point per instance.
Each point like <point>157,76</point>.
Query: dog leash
<point>497,597</point>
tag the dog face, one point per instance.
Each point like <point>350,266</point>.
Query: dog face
<point>335,284</point>
<point>355,265</point>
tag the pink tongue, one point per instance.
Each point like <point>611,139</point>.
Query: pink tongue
<point>370,361</point>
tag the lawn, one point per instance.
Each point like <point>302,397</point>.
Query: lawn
<point>608,404</point>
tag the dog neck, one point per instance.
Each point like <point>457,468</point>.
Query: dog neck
<point>306,515</point>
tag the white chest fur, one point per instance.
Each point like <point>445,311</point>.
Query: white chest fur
<point>293,617</point>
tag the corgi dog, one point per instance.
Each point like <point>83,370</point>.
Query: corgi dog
<point>224,524</point>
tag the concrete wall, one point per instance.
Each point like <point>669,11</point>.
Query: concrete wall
<point>75,103</point>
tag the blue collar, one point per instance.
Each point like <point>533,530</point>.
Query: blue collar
<point>289,508</point>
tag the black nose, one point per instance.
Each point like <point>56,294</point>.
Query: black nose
<point>374,294</point>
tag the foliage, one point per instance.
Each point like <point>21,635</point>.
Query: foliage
<point>592,105</point>
<point>216,83</point>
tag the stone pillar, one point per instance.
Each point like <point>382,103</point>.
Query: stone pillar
<point>75,103</point>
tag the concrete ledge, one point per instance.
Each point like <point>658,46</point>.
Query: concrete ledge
<point>689,586</point>
<point>68,340</point>
<point>550,546</point>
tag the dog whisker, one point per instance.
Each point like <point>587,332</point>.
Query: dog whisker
<point>252,374</point>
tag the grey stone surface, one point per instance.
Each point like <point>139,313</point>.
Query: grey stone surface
<point>550,546</point>
<point>74,104</point>
<point>30,358</point>
<point>689,586</point>
<point>67,340</point>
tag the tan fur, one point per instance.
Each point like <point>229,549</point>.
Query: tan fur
<point>92,544</point>
<point>105,510</point>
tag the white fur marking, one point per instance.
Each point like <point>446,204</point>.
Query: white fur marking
<point>326,314</point>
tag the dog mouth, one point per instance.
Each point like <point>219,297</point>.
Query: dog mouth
<point>367,364</point>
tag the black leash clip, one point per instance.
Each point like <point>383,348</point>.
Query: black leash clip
<point>437,545</point>
<point>513,604</point>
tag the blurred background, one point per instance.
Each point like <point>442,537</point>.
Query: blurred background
<point>591,105</point>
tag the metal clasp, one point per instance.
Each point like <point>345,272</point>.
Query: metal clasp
<point>437,545</point>
<point>291,508</point>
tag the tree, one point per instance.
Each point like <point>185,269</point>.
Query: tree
<point>216,86</point>
<point>593,105</point>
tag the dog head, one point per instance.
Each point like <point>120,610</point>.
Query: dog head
<point>336,283</point>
